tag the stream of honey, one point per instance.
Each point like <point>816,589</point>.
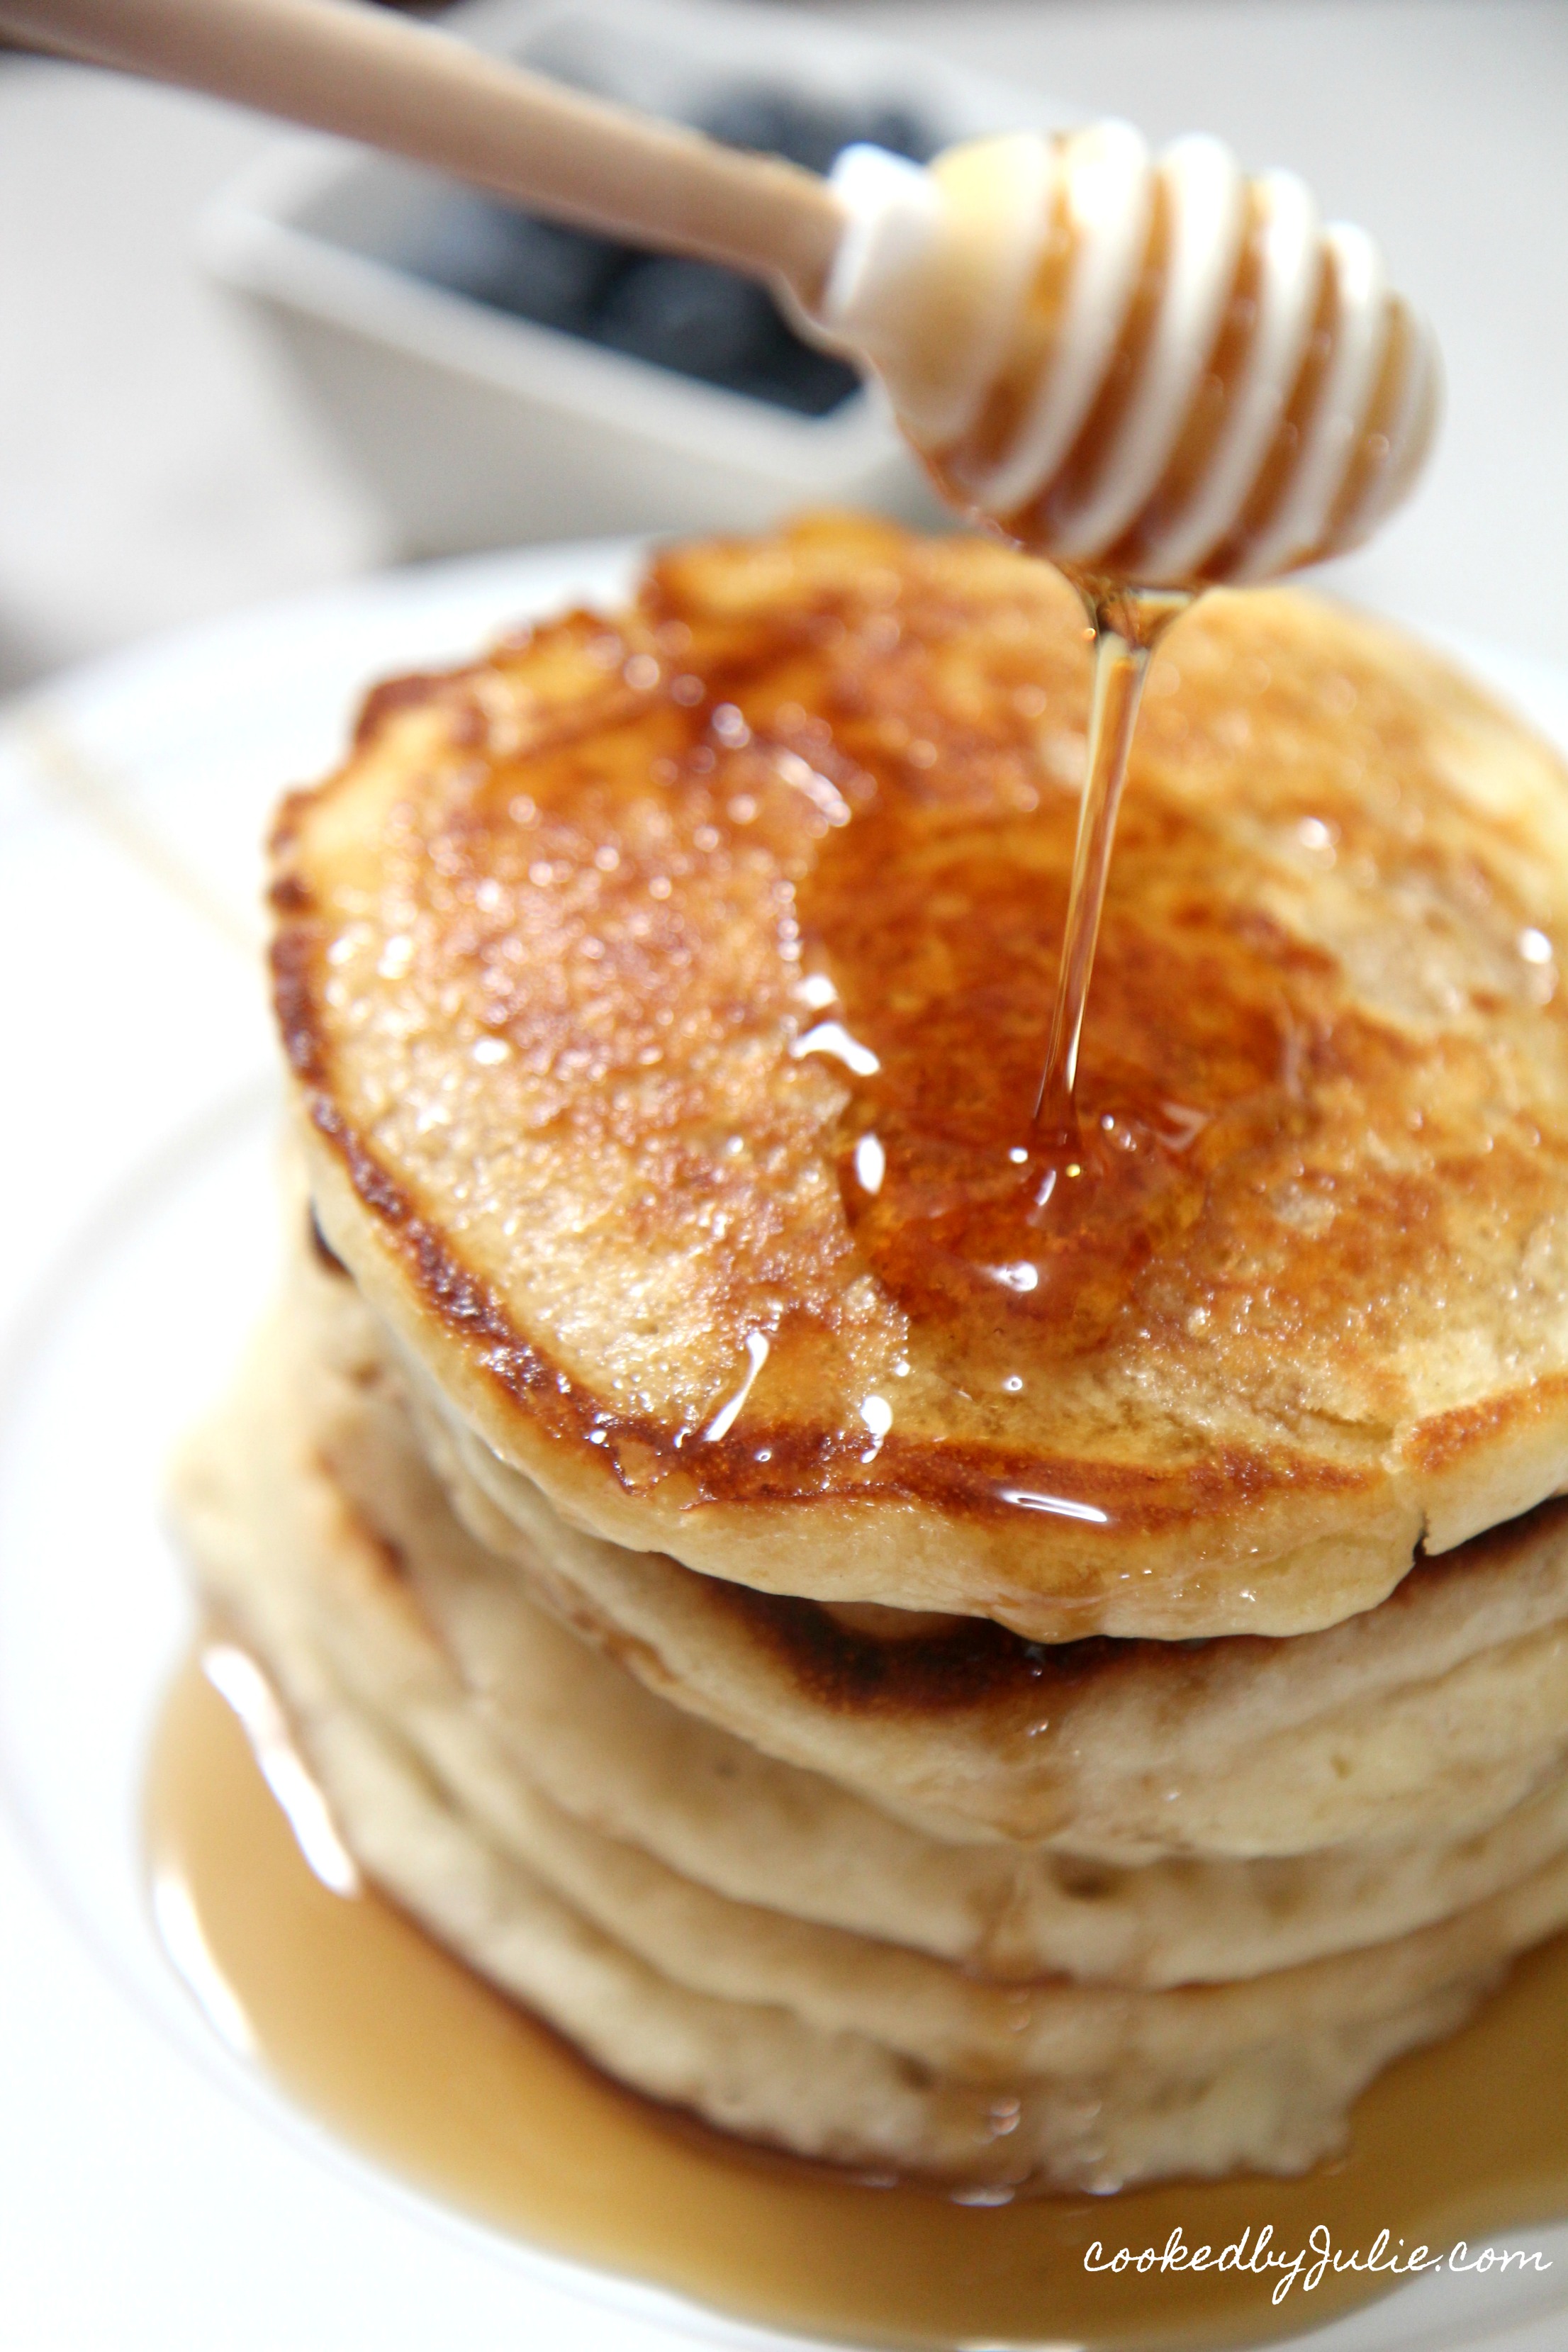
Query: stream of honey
<point>1059,1206</point>
<point>1078,1197</point>
<point>1128,624</point>
<point>418,2062</point>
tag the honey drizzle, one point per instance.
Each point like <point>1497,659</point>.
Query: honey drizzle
<point>1128,624</point>
<point>432,2074</point>
<point>1064,1218</point>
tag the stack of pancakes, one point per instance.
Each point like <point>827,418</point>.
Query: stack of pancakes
<point>921,1679</point>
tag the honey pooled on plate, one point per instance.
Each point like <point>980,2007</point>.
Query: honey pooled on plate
<point>428,2071</point>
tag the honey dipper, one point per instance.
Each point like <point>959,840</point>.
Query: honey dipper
<point>1152,369</point>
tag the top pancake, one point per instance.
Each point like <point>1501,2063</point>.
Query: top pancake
<point>600,962</point>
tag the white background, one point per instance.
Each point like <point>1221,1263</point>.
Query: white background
<point>153,472</point>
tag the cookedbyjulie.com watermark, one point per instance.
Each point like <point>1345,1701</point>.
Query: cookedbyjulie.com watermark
<point>1308,2264</point>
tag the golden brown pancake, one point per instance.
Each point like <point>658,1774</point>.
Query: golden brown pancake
<point>829,2042</point>
<point>666,995</point>
<point>1435,1715</point>
<point>580,1726</point>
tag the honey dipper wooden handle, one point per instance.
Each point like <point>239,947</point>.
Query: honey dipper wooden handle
<point>340,66</point>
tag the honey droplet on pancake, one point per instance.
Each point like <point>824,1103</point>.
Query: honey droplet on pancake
<point>1028,1251</point>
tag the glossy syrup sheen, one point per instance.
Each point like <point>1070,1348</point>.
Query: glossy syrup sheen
<point>1014,1207</point>
<point>1385,427</point>
<point>619,966</point>
<point>372,2028</point>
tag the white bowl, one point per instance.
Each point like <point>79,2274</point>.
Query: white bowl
<point>478,429</point>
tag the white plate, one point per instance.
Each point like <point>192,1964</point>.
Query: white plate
<point>154,2191</point>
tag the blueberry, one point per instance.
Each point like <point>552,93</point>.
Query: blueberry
<point>536,269</point>
<point>796,376</point>
<point>750,117</point>
<point>811,131</point>
<point>692,316</point>
<point>689,316</point>
<point>779,122</point>
<point>897,129</point>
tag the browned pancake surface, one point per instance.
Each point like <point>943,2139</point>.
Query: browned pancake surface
<point>668,996</point>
